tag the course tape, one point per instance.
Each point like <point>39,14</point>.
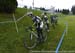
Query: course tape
<point>7,22</point>
<point>21,17</point>
<point>60,42</point>
<point>13,21</point>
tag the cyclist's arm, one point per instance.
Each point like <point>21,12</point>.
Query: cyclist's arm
<point>34,24</point>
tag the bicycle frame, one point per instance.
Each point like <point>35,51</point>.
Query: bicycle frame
<point>33,39</point>
<point>32,32</point>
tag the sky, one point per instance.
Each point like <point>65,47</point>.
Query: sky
<point>61,4</point>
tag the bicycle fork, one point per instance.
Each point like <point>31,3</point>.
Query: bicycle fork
<point>31,36</point>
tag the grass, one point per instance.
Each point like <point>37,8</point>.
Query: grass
<point>5,17</point>
<point>69,39</point>
<point>9,17</point>
<point>20,12</point>
<point>13,42</point>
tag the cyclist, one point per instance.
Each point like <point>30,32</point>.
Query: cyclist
<point>56,20</point>
<point>45,20</point>
<point>38,23</point>
<point>53,18</point>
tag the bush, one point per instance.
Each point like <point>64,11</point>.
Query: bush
<point>8,6</point>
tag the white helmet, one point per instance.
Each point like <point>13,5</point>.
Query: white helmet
<point>29,13</point>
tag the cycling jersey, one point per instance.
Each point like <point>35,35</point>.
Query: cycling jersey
<point>37,22</point>
<point>45,19</point>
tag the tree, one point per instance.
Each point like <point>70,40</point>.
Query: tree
<point>73,9</point>
<point>65,11</point>
<point>25,6</point>
<point>8,6</point>
<point>42,8</point>
<point>57,10</point>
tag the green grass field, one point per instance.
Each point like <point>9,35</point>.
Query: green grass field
<point>13,42</point>
<point>69,39</point>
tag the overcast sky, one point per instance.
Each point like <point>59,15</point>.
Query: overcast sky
<point>61,4</point>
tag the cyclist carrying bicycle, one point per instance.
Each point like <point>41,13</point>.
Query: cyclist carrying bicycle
<point>45,20</point>
<point>38,23</point>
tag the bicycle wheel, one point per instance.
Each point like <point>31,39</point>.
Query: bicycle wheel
<point>30,40</point>
<point>44,34</point>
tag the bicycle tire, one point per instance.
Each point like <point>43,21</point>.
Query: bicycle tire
<point>31,44</point>
<point>45,34</point>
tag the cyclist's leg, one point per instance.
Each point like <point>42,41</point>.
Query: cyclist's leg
<point>41,35</point>
<point>53,24</point>
<point>41,32</point>
<point>47,26</point>
<point>56,22</point>
<point>38,33</point>
<point>51,21</point>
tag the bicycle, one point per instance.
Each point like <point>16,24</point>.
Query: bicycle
<point>31,38</point>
